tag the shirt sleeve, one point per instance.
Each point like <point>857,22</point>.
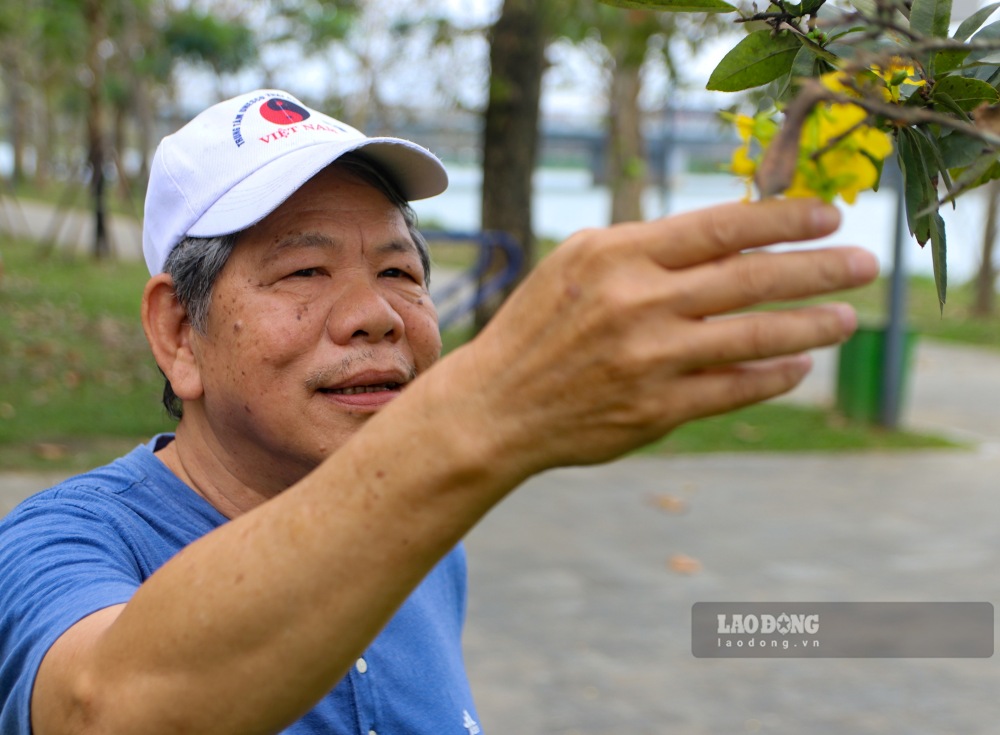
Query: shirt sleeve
<point>60,561</point>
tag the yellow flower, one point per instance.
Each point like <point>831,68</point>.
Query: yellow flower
<point>744,126</point>
<point>835,120</point>
<point>897,74</point>
<point>742,164</point>
<point>848,172</point>
<point>838,150</point>
<point>875,143</point>
<point>800,189</point>
<point>837,81</point>
<point>756,132</point>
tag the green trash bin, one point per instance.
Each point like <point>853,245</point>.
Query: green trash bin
<point>859,373</point>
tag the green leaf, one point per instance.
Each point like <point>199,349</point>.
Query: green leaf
<point>988,33</point>
<point>804,63</point>
<point>959,150</point>
<point>945,102</point>
<point>945,61</point>
<point>966,93</point>
<point>982,169</point>
<point>971,24</point>
<point>930,17</point>
<point>930,147</point>
<point>916,185</point>
<point>865,7</point>
<point>939,257</point>
<point>757,59</point>
<point>674,6</point>
<point>879,165</point>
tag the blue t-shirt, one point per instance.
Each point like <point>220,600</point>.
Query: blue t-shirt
<point>89,543</point>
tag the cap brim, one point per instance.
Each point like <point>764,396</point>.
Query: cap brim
<point>417,173</point>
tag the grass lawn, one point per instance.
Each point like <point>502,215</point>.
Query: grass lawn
<point>77,381</point>
<point>954,323</point>
<point>779,427</point>
<point>78,385</point>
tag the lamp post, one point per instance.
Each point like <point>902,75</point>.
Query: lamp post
<point>894,345</point>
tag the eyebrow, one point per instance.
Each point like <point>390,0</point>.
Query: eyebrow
<point>320,240</point>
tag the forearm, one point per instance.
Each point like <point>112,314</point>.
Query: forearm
<point>244,630</point>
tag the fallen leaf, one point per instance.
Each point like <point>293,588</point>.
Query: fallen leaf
<point>50,452</point>
<point>670,503</point>
<point>683,564</point>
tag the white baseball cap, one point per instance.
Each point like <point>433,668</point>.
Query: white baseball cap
<point>238,160</point>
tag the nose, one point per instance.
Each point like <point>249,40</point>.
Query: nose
<point>362,312</point>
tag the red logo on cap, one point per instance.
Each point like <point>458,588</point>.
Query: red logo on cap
<point>283,112</point>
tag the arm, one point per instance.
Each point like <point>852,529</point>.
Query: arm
<point>607,345</point>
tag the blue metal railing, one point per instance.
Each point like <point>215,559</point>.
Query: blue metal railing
<point>453,304</point>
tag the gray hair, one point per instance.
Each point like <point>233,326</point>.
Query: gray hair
<point>196,262</point>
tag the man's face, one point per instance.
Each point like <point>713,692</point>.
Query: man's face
<point>319,318</point>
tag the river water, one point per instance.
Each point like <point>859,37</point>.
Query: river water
<point>566,201</point>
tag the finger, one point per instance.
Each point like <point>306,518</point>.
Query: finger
<point>725,389</point>
<point>746,280</point>
<point>764,335</point>
<point>696,237</point>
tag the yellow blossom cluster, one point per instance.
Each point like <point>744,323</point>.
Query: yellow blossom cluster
<point>840,152</point>
<point>897,75</point>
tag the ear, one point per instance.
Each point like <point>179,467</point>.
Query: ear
<point>169,334</point>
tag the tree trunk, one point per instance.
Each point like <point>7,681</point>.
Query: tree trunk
<point>144,125</point>
<point>44,139</point>
<point>16,102</point>
<point>96,29</point>
<point>985,299</point>
<point>626,157</point>
<point>510,136</point>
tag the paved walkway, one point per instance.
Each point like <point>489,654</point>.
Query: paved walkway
<point>583,582</point>
<point>72,230</point>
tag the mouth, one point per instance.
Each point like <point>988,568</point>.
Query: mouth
<point>364,391</point>
<point>354,390</point>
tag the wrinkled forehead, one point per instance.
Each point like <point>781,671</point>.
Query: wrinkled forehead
<point>336,209</point>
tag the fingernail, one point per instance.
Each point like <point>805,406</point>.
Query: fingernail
<point>864,266</point>
<point>802,362</point>
<point>825,219</point>
<point>846,314</point>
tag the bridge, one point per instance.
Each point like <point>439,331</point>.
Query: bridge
<point>674,140</point>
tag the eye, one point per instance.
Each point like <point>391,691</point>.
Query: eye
<point>397,273</point>
<point>305,273</point>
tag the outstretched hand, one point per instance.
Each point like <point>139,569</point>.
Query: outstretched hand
<point>624,333</point>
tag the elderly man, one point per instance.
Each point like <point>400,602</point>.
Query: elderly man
<point>289,560</point>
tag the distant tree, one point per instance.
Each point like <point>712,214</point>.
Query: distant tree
<point>16,29</point>
<point>627,43</point>
<point>984,301</point>
<point>70,49</point>
<point>626,38</point>
<point>224,45</point>
<point>510,129</point>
